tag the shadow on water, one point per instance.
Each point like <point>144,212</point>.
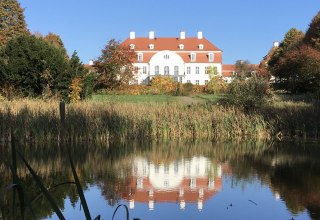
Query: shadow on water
<point>290,170</point>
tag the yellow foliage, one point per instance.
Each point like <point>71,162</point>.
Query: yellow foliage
<point>75,90</point>
<point>162,84</point>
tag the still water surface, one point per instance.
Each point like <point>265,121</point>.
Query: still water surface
<point>181,180</point>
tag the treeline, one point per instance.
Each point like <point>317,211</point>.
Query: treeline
<point>32,65</point>
<point>295,63</point>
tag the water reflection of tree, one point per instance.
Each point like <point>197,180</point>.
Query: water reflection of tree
<point>290,171</point>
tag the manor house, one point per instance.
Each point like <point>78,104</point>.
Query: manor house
<point>186,59</point>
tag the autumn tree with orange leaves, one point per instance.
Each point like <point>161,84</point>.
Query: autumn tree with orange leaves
<point>114,66</point>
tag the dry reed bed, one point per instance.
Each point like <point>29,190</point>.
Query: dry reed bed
<point>35,120</point>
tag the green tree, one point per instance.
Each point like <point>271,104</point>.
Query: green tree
<point>30,66</point>
<point>81,76</point>
<point>313,33</point>
<point>292,39</point>
<point>114,66</point>
<point>12,22</point>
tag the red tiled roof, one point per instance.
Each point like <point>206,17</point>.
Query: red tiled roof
<point>228,69</point>
<point>171,43</point>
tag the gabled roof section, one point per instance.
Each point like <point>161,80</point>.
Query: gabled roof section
<point>171,43</point>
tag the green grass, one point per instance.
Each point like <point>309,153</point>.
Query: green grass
<point>209,97</point>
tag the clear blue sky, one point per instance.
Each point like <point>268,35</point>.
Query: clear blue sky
<point>243,29</point>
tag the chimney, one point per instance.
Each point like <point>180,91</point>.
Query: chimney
<point>182,35</point>
<point>132,35</point>
<point>151,35</point>
<point>200,36</point>
<point>276,44</point>
<point>90,62</point>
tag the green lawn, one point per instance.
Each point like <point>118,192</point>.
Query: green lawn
<point>155,98</point>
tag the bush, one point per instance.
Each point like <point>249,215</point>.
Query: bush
<point>216,86</point>
<point>248,94</point>
<point>162,85</point>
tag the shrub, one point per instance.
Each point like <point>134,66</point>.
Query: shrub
<point>248,94</point>
<point>216,86</point>
<point>162,84</point>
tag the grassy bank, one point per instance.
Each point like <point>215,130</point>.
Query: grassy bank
<point>180,117</point>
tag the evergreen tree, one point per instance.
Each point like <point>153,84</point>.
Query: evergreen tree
<point>12,22</point>
<point>31,67</point>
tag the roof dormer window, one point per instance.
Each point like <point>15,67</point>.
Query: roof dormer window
<point>181,46</point>
<point>132,46</point>
<point>210,57</point>
<point>140,57</point>
<point>151,46</point>
<point>201,46</point>
<point>193,57</point>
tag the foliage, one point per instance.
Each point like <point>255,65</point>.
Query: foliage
<point>216,85</point>
<point>84,78</point>
<point>162,85</point>
<point>299,70</point>
<point>75,90</point>
<point>31,66</point>
<point>312,36</point>
<point>247,94</point>
<point>187,89</point>
<point>12,22</point>
<point>243,69</point>
<point>114,66</point>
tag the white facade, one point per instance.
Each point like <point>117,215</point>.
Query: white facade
<point>185,59</point>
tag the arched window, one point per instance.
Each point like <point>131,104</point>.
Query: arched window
<point>166,70</point>
<point>156,70</point>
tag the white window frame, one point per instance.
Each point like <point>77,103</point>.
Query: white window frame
<point>144,70</point>
<point>193,57</point>
<point>166,70</point>
<point>197,70</point>
<point>151,46</point>
<point>188,70</point>
<point>140,57</point>
<point>201,46</point>
<point>210,57</point>
<point>181,46</point>
<point>166,57</point>
<point>197,82</point>
<point>188,81</point>
<point>176,70</point>
<point>156,70</point>
<point>132,46</point>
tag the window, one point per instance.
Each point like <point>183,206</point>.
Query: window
<point>206,81</point>
<point>180,79</point>
<point>188,70</point>
<point>132,46</point>
<point>136,69</point>
<point>181,46</point>
<point>193,57</point>
<point>166,70</point>
<point>210,57</point>
<point>151,46</point>
<point>188,81</point>
<point>156,70</point>
<point>140,57</point>
<point>166,57</point>
<point>166,169</point>
<point>197,70</point>
<point>176,70</point>
<point>193,183</point>
<point>207,69</point>
<point>197,82</point>
<point>201,46</point>
<point>144,70</point>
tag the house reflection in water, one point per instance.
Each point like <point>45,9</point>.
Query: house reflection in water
<point>181,182</point>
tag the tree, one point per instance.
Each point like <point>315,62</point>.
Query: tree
<point>12,22</point>
<point>313,33</point>
<point>243,68</point>
<point>114,66</point>
<point>299,70</point>
<point>30,66</point>
<point>293,38</point>
<point>83,80</point>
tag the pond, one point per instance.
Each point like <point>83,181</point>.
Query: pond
<point>170,180</point>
